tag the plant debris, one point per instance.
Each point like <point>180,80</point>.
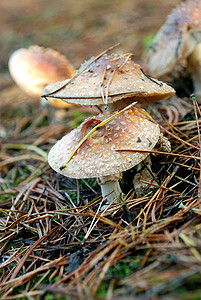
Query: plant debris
<point>55,239</point>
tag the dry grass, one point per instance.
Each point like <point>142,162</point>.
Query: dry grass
<point>56,240</point>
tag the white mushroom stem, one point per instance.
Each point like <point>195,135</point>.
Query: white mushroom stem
<point>110,187</point>
<point>194,65</point>
<point>118,105</point>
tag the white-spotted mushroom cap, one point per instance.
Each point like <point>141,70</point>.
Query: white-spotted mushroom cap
<point>35,67</point>
<point>108,79</point>
<point>99,155</point>
<point>176,39</point>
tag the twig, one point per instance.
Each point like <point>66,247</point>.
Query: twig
<point>80,72</point>
<point>198,128</point>
<point>101,124</point>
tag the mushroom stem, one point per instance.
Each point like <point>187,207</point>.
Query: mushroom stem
<point>110,187</point>
<point>194,65</point>
<point>119,105</point>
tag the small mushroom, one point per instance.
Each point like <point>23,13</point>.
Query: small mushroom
<point>35,67</point>
<point>113,80</point>
<point>175,45</point>
<point>105,154</point>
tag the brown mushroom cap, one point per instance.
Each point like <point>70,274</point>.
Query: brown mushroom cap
<point>115,76</point>
<point>176,39</point>
<point>35,67</point>
<point>98,155</point>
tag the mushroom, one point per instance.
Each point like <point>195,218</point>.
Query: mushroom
<point>194,64</point>
<point>105,154</point>
<point>35,67</point>
<point>113,80</point>
<point>176,45</point>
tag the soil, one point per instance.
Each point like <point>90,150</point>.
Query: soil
<point>80,29</point>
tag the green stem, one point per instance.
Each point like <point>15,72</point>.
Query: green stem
<point>26,147</point>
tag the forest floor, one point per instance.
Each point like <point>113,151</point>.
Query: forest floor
<point>53,244</point>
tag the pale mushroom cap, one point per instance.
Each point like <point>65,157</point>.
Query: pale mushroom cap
<point>176,39</point>
<point>194,65</point>
<point>115,76</point>
<point>98,155</point>
<point>35,67</point>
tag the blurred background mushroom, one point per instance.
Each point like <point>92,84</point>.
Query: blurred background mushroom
<point>34,67</point>
<point>109,151</point>
<point>194,64</point>
<point>175,50</point>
